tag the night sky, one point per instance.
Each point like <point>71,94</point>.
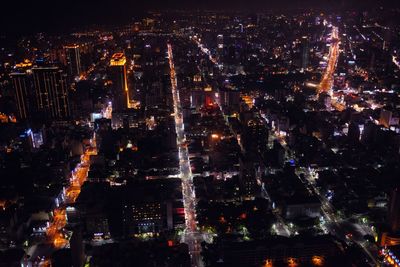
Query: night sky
<point>20,17</point>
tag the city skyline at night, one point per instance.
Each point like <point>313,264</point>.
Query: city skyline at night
<point>200,134</point>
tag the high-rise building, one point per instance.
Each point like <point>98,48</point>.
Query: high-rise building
<point>51,92</point>
<point>22,90</point>
<point>254,136</point>
<point>305,53</point>
<point>229,99</point>
<point>247,177</point>
<point>120,85</point>
<point>73,60</point>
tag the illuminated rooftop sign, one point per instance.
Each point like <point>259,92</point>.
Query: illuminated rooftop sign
<point>118,59</point>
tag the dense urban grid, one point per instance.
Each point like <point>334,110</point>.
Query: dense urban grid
<point>195,139</point>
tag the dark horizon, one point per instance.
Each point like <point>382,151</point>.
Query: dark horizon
<point>45,16</point>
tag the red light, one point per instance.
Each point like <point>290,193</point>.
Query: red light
<point>180,211</point>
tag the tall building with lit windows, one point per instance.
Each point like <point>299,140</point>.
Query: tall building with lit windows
<point>119,80</point>
<point>305,52</point>
<point>21,92</point>
<point>73,60</point>
<point>51,92</point>
<point>21,80</point>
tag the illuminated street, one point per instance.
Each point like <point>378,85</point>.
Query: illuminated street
<point>191,234</point>
<point>56,233</point>
<point>327,78</point>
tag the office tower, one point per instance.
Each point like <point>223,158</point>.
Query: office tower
<point>255,136</point>
<point>120,84</point>
<point>51,92</point>
<point>73,60</point>
<point>305,53</point>
<point>22,91</point>
<point>229,99</point>
<point>154,94</point>
<point>247,177</point>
